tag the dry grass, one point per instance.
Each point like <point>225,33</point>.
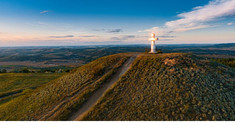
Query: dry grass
<point>34,105</point>
<point>191,89</point>
<point>13,84</point>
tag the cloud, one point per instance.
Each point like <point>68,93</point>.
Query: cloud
<point>99,29</point>
<point>87,36</point>
<point>114,30</point>
<point>230,23</point>
<point>197,7</point>
<point>166,39</point>
<point>43,12</point>
<point>166,36</point>
<point>124,37</point>
<point>66,36</point>
<point>128,36</point>
<point>199,17</point>
<point>109,30</point>
<point>105,42</point>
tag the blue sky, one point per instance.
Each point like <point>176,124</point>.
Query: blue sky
<point>79,22</point>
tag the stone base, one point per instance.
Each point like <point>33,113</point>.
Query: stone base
<point>152,52</point>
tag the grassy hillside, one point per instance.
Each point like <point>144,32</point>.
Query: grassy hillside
<point>170,87</point>
<point>15,84</point>
<point>156,87</point>
<point>84,80</point>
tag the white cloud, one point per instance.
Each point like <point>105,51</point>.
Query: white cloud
<point>199,17</point>
<point>123,37</point>
<point>198,7</point>
<point>65,36</point>
<point>230,23</point>
<point>43,12</point>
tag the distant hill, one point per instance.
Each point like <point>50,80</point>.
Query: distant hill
<point>174,86</point>
<point>73,56</point>
<point>224,45</point>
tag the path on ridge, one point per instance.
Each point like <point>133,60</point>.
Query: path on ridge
<point>99,93</point>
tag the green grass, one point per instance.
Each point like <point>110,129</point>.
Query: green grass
<point>12,84</point>
<point>169,87</point>
<point>34,105</point>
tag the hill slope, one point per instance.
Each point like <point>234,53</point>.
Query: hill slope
<point>13,85</point>
<point>61,97</point>
<point>156,87</point>
<point>170,87</point>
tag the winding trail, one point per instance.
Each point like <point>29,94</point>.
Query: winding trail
<point>99,93</point>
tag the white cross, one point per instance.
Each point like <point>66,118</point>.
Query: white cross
<point>153,47</point>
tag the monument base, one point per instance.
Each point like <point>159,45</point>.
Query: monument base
<point>152,52</point>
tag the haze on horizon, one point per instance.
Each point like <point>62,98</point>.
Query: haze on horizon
<point>79,22</point>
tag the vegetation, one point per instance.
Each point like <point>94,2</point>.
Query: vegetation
<point>85,80</point>
<point>76,102</point>
<point>157,87</point>
<point>61,56</point>
<point>226,61</point>
<point>28,69</point>
<point>74,56</point>
<point>170,87</point>
<point>3,70</point>
<point>13,84</point>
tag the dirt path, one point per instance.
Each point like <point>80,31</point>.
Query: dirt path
<point>60,105</point>
<point>96,96</point>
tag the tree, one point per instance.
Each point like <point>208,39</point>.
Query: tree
<point>159,51</point>
<point>3,71</point>
<point>25,70</point>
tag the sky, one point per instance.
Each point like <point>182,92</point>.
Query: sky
<point>108,22</point>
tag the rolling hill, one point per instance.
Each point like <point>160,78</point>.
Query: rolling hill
<point>170,87</point>
<point>67,92</point>
<point>130,87</point>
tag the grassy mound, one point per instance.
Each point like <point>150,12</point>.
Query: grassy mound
<point>86,79</point>
<point>170,87</point>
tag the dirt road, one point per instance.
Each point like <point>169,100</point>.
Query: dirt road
<point>99,93</point>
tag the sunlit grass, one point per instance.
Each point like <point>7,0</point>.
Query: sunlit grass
<point>34,105</point>
<point>170,87</point>
<point>12,84</point>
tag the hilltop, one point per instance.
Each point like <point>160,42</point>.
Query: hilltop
<point>170,87</point>
<point>174,86</point>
